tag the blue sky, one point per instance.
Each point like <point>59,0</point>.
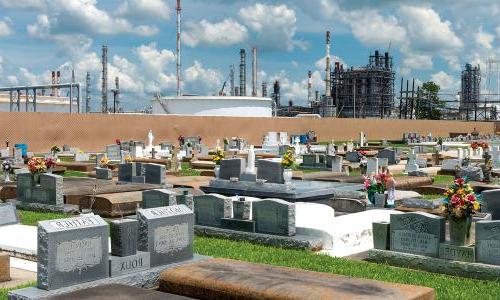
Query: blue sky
<point>429,41</point>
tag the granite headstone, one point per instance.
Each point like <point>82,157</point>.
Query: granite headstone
<point>274,216</point>
<point>488,242</point>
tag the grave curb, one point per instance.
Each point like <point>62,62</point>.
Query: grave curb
<point>299,241</point>
<point>148,279</point>
<point>435,265</point>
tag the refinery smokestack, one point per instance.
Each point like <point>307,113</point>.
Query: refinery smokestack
<point>104,87</point>
<point>87,92</point>
<point>243,73</point>
<point>178,9</point>
<point>254,72</point>
<point>231,80</point>
<point>328,89</point>
<point>309,87</point>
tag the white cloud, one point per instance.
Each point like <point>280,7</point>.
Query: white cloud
<point>484,39</point>
<point>153,60</point>
<point>274,26</point>
<point>143,9</point>
<point>373,29</point>
<point>225,33</point>
<point>427,32</point>
<point>320,64</point>
<point>37,4</point>
<point>418,61</point>
<point>201,80</point>
<point>83,16</point>
<point>5,28</point>
<point>445,81</point>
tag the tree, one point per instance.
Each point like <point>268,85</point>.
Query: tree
<point>429,105</point>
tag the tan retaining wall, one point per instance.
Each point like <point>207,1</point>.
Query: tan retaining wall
<point>91,132</point>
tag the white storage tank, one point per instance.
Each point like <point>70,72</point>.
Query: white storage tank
<point>233,106</point>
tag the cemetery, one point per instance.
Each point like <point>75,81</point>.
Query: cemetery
<point>167,217</point>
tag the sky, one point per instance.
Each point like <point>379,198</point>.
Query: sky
<point>429,40</point>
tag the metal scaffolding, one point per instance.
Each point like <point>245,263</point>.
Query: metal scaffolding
<point>16,93</point>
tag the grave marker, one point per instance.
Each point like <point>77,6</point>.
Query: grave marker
<point>158,198</point>
<point>8,214</point>
<point>270,171</point>
<point>72,251</point>
<point>417,233</point>
<point>274,216</point>
<point>488,242</point>
<point>210,209</point>
<point>167,233</point>
<point>233,167</point>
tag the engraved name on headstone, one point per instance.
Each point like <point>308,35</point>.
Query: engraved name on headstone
<point>488,242</point>
<point>417,233</point>
<point>167,233</point>
<point>72,251</point>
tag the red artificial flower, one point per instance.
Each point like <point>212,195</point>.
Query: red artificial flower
<point>459,181</point>
<point>455,199</point>
<point>471,197</point>
<point>118,142</point>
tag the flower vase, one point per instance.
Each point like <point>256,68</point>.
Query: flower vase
<point>287,176</point>
<point>380,199</point>
<point>6,177</point>
<point>36,178</point>
<point>217,171</point>
<point>371,197</point>
<point>460,231</point>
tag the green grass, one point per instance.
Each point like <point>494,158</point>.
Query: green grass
<point>4,292</point>
<point>443,179</point>
<point>75,174</point>
<point>187,171</point>
<point>32,217</point>
<point>447,287</point>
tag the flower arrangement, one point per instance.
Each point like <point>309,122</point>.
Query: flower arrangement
<point>37,165</point>
<point>226,141</point>
<point>219,155</point>
<point>128,158</point>
<point>483,145</point>
<point>362,152</point>
<point>180,139</point>
<point>104,161</point>
<point>55,149</point>
<point>375,183</point>
<point>288,159</point>
<point>118,141</point>
<point>460,200</point>
<point>6,166</point>
<point>50,162</point>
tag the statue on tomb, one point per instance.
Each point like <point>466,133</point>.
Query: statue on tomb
<point>250,161</point>
<point>150,139</point>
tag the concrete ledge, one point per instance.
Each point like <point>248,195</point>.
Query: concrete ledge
<point>67,208</point>
<point>231,279</point>
<point>299,241</point>
<point>435,265</point>
<point>148,279</point>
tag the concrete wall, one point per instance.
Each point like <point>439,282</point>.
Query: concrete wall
<point>91,132</point>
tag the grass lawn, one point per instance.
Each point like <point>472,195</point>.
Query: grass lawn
<point>75,174</point>
<point>187,171</point>
<point>5,291</point>
<point>32,217</point>
<point>443,179</point>
<point>447,287</point>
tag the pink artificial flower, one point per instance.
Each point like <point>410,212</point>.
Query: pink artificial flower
<point>459,181</point>
<point>471,197</point>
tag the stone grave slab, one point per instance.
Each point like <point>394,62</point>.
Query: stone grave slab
<point>381,235</point>
<point>274,216</point>
<point>458,253</point>
<point>270,171</point>
<point>417,233</point>
<point>155,173</point>
<point>488,242</point>
<point>4,267</point>
<point>8,214</point>
<point>232,167</point>
<point>217,278</point>
<point>167,233</point>
<point>389,154</point>
<point>490,203</point>
<point>72,251</point>
<point>117,291</point>
<point>211,208</point>
<point>159,198</point>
